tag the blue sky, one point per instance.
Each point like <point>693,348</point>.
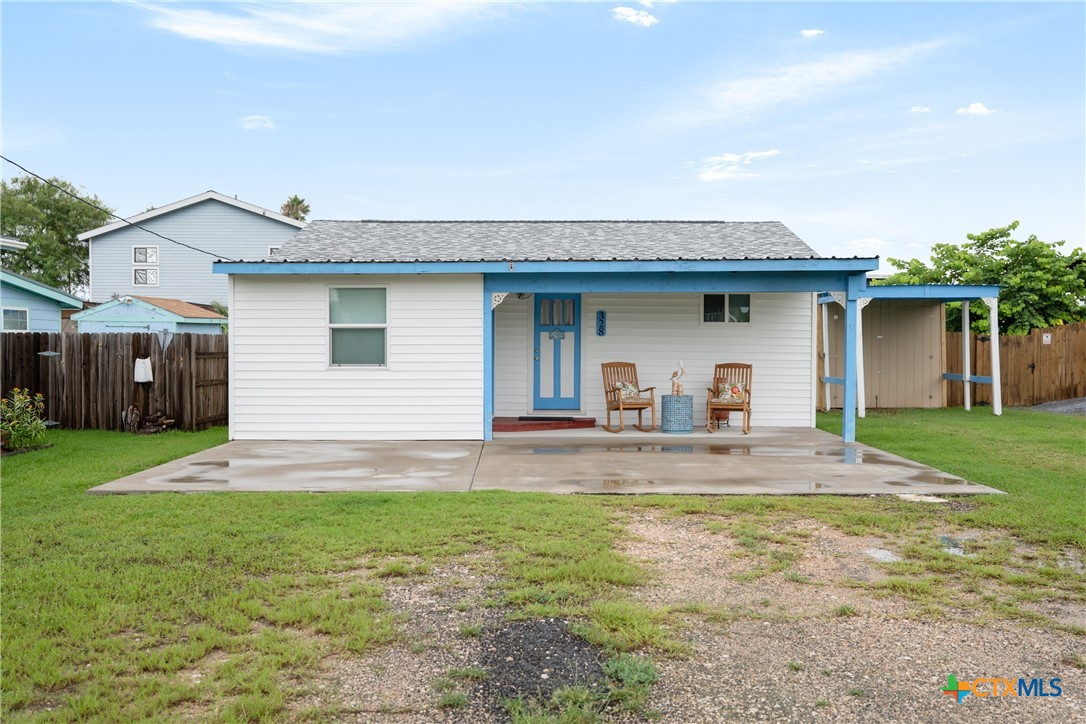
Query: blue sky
<point>867,128</point>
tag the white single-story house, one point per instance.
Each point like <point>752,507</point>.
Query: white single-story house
<point>405,330</point>
<point>30,306</point>
<point>149,314</point>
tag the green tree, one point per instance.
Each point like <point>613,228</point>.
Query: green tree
<point>49,221</point>
<point>1039,285</point>
<point>295,207</point>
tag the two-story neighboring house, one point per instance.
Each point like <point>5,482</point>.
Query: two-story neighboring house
<point>125,260</point>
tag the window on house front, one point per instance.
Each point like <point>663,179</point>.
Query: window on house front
<point>16,320</point>
<point>725,308</point>
<point>145,255</point>
<point>146,277</point>
<point>357,326</point>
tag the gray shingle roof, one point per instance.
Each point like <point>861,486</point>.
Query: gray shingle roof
<point>448,241</point>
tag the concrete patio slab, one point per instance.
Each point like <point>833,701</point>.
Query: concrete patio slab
<point>782,461</point>
<point>268,465</point>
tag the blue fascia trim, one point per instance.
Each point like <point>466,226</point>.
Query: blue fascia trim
<point>943,292</point>
<point>834,380</point>
<point>37,288</point>
<point>982,379</point>
<point>544,267</point>
<point>702,282</point>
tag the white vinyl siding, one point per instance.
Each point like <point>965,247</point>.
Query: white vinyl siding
<point>284,389</point>
<point>656,331</point>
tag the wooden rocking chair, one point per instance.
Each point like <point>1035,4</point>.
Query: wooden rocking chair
<point>730,393</point>
<point>622,392</point>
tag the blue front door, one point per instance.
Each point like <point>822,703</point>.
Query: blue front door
<point>556,341</point>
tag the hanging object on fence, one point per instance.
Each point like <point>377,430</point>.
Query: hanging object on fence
<point>142,372</point>
<point>165,336</point>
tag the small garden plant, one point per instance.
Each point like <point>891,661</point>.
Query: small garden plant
<point>21,420</point>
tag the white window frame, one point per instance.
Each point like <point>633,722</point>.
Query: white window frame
<point>16,309</point>
<point>145,263</point>
<point>727,300</point>
<point>158,276</point>
<point>329,326</point>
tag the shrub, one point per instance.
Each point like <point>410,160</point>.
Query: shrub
<point>21,419</point>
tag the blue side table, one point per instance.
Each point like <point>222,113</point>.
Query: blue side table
<point>678,414</point>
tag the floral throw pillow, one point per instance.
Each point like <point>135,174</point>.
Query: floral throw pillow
<point>731,393</point>
<point>628,390</point>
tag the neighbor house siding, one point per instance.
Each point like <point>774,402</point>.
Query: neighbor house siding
<point>903,353</point>
<point>283,387</point>
<point>226,231</point>
<point>655,331</point>
<point>44,314</point>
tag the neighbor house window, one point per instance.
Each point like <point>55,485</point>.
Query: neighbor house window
<point>725,308</point>
<point>357,326</point>
<point>146,277</point>
<point>145,255</point>
<point>16,320</point>
<point>145,266</point>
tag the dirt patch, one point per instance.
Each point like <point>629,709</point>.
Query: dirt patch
<point>791,653</point>
<point>442,618</point>
<point>696,567</point>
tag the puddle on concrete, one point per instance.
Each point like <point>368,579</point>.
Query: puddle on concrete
<point>213,463</point>
<point>882,555</point>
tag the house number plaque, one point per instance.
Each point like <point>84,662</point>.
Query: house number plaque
<point>601,323</point>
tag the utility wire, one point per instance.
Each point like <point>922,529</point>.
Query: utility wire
<point>106,211</point>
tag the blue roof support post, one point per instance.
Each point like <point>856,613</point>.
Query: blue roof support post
<point>488,363</point>
<point>848,423</point>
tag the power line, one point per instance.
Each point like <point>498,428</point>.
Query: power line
<point>107,211</point>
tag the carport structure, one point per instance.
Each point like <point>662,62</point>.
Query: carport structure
<point>854,382</point>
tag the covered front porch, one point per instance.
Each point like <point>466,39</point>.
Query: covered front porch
<point>548,330</point>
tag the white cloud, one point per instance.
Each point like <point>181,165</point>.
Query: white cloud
<point>867,246</point>
<point>650,3</point>
<point>256,123</point>
<point>315,27</point>
<point>920,109</point>
<point>975,109</point>
<point>731,165</point>
<point>794,83</point>
<point>637,17</point>
<point>811,32</point>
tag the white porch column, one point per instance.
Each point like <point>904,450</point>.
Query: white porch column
<point>861,392</point>
<point>965,355</point>
<point>993,330</point>
<point>825,356</point>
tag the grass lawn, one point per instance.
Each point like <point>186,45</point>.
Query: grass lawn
<point>109,601</point>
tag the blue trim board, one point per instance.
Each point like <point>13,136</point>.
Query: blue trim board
<point>665,282</point>
<point>940,292</point>
<point>546,267</point>
<point>30,286</point>
<point>982,379</point>
<point>834,380</point>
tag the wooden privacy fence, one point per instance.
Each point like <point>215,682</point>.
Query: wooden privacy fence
<point>1032,371</point>
<point>91,382</point>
